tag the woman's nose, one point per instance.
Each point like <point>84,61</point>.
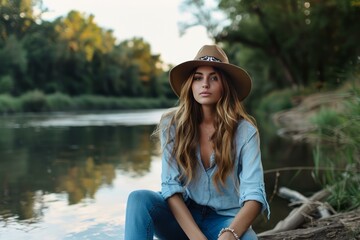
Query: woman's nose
<point>205,84</point>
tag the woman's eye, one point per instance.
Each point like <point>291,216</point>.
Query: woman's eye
<point>214,78</point>
<point>197,78</point>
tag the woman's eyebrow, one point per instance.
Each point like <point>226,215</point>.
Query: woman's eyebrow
<point>212,73</point>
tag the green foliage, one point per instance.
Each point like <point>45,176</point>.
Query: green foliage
<point>9,104</point>
<point>71,55</point>
<point>13,58</point>
<point>37,101</point>
<point>81,34</point>
<point>264,108</point>
<point>328,122</point>
<point>6,84</point>
<point>274,102</point>
<point>16,17</point>
<point>33,101</point>
<point>292,43</point>
<point>338,149</point>
<point>346,192</point>
<point>59,102</point>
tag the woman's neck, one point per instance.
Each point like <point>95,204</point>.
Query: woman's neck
<point>208,115</point>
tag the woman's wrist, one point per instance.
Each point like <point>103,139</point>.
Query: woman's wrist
<point>230,230</point>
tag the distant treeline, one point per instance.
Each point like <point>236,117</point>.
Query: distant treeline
<point>74,56</point>
<point>302,45</point>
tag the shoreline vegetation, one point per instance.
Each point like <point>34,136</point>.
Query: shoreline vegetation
<point>37,102</point>
<point>330,122</point>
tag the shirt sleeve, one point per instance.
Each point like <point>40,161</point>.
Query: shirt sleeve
<point>251,175</point>
<point>170,175</point>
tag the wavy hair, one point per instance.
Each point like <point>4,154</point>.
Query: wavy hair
<point>187,117</point>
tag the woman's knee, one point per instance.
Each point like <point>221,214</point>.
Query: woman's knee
<point>137,195</point>
<point>144,198</point>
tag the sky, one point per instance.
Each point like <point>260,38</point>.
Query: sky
<point>156,21</point>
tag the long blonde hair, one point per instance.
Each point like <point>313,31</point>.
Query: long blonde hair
<point>186,119</point>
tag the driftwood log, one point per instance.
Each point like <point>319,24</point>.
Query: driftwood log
<point>343,226</point>
<point>300,225</point>
<point>296,198</point>
<point>298,215</point>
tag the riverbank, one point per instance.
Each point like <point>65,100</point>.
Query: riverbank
<point>295,123</point>
<point>339,226</point>
<point>37,101</point>
<point>329,121</point>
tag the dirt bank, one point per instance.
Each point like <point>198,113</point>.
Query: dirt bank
<point>294,123</point>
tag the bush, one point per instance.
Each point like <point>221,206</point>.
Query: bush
<point>275,102</point>
<point>91,102</point>
<point>327,121</point>
<point>33,101</point>
<point>9,104</point>
<point>6,84</point>
<point>37,101</point>
<point>59,102</point>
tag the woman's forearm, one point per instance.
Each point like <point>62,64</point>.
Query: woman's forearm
<point>184,217</point>
<point>244,219</point>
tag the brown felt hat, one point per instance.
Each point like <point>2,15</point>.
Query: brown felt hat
<point>211,55</point>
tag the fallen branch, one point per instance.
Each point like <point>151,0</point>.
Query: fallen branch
<point>344,225</point>
<point>295,197</point>
<point>297,216</point>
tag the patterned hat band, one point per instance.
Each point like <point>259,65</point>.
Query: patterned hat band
<point>210,59</point>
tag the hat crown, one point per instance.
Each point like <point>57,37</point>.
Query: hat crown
<point>212,53</point>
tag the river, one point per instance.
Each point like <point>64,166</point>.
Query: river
<point>68,175</point>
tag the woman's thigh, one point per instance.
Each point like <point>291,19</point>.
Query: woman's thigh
<point>148,214</point>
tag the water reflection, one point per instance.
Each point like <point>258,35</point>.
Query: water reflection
<point>77,161</point>
<point>71,181</point>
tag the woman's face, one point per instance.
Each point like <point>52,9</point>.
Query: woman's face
<point>207,85</point>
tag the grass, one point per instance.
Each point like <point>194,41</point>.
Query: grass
<point>37,101</point>
<point>338,147</point>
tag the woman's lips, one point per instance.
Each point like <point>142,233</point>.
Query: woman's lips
<point>204,94</point>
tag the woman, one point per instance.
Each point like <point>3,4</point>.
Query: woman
<point>212,177</point>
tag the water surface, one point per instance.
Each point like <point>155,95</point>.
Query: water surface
<point>67,176</point>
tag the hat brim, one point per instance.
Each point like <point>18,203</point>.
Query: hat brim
<point>238,77</point>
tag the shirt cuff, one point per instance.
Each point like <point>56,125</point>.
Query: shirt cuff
<point>258,196</point>
<point>169,190</point>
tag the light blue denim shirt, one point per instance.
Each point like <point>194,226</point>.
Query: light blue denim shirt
<point>246,183</point>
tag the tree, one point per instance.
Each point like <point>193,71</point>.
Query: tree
<point>298,42</point>
<point>41,44</point>
<point>148,66</point>
<point>16,17</point>
<point>78,39</point>
<point>72,55</point>
<point>13,67</point>
<point>82,34</point>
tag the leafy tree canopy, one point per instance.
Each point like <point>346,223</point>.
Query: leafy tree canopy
<point>72,55</point>
<point>289,43</point>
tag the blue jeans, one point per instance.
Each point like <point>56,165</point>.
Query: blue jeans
<point>148,215</point>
